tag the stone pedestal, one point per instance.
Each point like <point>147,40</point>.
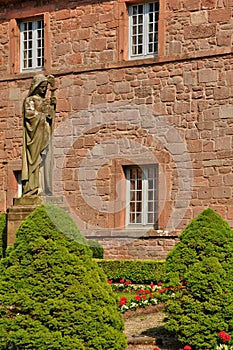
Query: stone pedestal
<point>24,206</point>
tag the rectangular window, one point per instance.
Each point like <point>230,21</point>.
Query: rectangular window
<point>142,196</point>
<point>143,30</point>
<point>31,45</point>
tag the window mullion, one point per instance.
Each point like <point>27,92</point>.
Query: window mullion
<point>144,195</point>
<point>127,197</point>
<point>145,30</point>
<point>34,44</point>
<point>21,46</point>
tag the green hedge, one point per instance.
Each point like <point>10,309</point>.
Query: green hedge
<point>137,271</point>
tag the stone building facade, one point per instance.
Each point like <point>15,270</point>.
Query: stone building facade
<point>143,143</point>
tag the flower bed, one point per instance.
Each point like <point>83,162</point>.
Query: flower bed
<point>141,295</point>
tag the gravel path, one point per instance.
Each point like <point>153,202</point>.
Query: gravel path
<point>145,330</point>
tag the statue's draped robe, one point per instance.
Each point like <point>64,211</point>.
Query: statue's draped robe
<point>38,117</point>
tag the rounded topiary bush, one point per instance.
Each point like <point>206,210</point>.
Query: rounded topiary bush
<point>203,262</point>
<point>53,294</point>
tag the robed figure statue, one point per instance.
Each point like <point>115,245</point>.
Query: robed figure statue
<point>38,123</point>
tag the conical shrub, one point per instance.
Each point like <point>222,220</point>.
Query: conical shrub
<point>203,262</point>
<point>53,295</point>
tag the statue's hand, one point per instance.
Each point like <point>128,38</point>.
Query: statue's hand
<point>51,81</point>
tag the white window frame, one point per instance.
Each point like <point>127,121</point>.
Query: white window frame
<point>143,25</point>
<point>31,44</point>
<point>142,219</point>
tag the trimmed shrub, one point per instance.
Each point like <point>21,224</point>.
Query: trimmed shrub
<point>203,262</point>
<point>53,294</point>
<point>136,271</point>
<point>96,248</point>
<point>2,234</point>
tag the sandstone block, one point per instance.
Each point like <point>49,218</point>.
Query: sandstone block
<point>221,192</point>
<point>204,193</point>
<point>226,111</point>
<point>74,59</point>
<point>221,92</point>
<point>199,31</point>
<point>182,107</point>
<point>79,102</point>
<point>98,44</point>
<point>192,5</point>
<point>199,17</point>
<point>63,49</point>
<point>211,114</point>
<point>220,15</point>
<point>168,94</point>
<point>81,34</point>
<point>208,4</point>
<point>228,179</point>
<point>62,14</point>
<point>174,5</point>
<point>223,143</point>
<point>175,47</point>
<point>224,38</point>
<point>229,78</point>
<point>207,75</point>
<point>122,87</point>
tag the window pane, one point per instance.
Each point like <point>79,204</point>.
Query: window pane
<point>140,51</point>
<point>140,8</point>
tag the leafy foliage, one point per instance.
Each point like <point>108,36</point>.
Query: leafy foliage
<point>53,294</point>
<point>136,271</point>
<point>96,248</point>
<point>203,261</point>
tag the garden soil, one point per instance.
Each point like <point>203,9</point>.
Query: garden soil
<point>145,330</point>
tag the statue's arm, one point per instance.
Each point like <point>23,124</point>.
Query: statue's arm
<point>53,100</point>
<point>29,109</point>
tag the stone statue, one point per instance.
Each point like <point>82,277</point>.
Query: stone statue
<point>38,123</point>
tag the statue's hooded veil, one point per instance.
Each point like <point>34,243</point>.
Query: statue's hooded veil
<point>36,81</point>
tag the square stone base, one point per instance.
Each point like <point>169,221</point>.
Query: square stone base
<point>21,208</point>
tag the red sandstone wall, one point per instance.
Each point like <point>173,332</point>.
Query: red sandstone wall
<point>190,84</point>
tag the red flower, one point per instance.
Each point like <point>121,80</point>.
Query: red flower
<point>187,347</point>
<point>147,291</point>
<point>122,301</point>
<point>127,283</point>
<point>156,348</point>
<point>151,295</point>
<point>224,336</point>
<point>138,297</point>
<point>160,290</point>
<point>152,285</point>
<point>159,284</point>
<point>143,296</point>
<point>109,281</point>
<point>122,281</point>
<point>140,291</point>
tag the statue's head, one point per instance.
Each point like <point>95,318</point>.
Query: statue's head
<point>38,80</point>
